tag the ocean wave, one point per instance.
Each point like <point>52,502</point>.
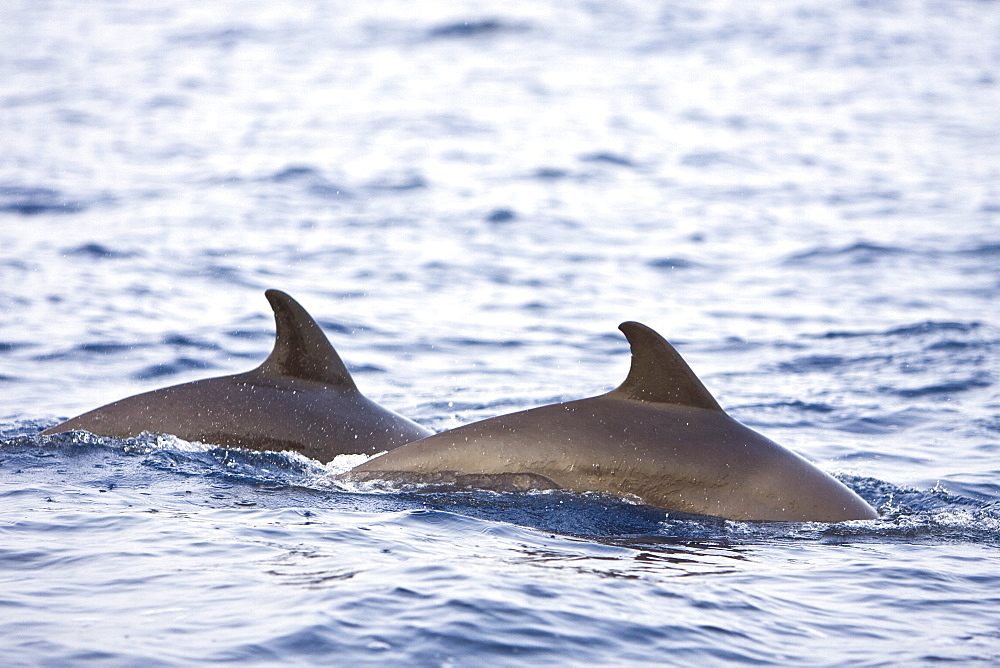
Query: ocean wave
<point>101,252</point>
<point>224,477</point>
<point>33,201</point>
<point>860,252</point>
<point>476,29</point>
<point>922,329</point>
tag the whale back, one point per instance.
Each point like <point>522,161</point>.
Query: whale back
<point>660,437</point>
<point>302,397</point>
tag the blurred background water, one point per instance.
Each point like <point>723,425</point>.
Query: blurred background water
<point>802,196</point>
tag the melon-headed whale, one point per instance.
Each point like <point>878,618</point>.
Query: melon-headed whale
<point>660,436</point>
<point>301,398</point>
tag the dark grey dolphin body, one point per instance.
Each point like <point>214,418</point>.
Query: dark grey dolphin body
<point>660,436</point>
<point>301,398</point>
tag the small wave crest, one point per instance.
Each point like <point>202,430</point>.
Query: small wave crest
<point>33,201</point>
<point>861,252</point>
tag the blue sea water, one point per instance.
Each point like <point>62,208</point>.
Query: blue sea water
<point>802,196</point>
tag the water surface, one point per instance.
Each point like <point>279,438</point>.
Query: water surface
<point>802,197</point>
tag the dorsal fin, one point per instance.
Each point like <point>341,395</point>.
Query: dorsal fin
<point>659,374</point>
<point>301,349</point>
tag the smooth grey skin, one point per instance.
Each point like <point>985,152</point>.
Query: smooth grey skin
<point>301,398</point>
<point>660,436</point>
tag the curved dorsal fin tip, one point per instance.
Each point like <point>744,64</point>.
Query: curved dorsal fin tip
<point>273,294</point>
<point>632,326</point>
<point>301,349</point>
<point>659,374</point>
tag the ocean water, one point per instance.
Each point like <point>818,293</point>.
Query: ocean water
<point>804,197</point>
